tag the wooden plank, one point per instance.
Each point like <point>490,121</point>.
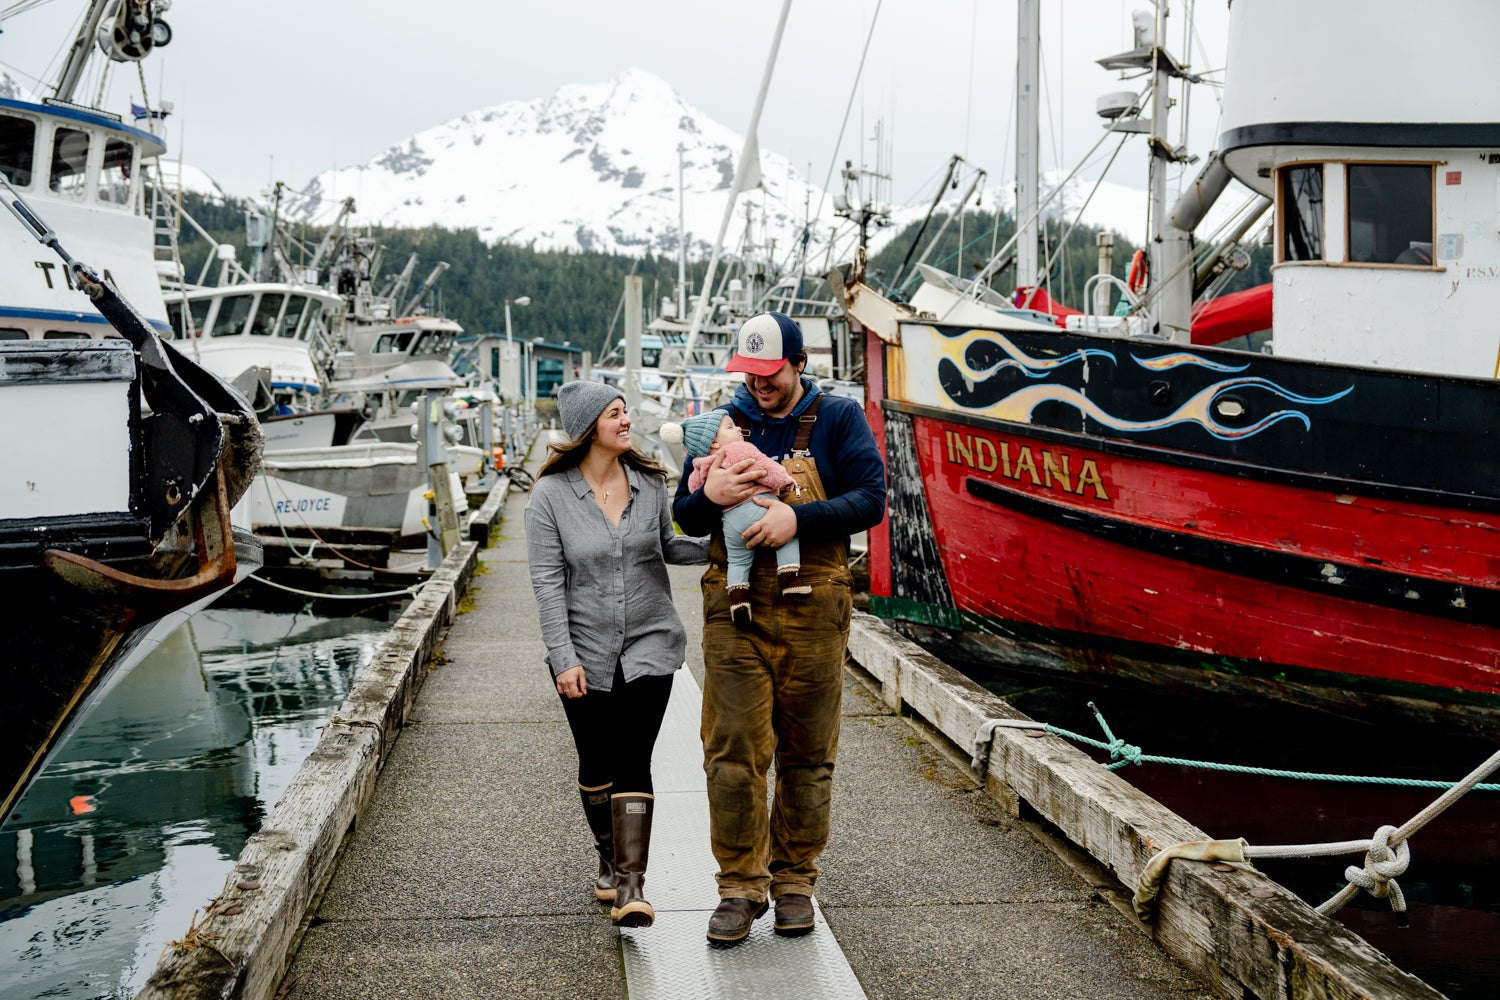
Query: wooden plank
<point>1210,921</point>
<point>443,502</point>
<point>240,946</point>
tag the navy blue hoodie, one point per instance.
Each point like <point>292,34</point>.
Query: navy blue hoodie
<point>848,461</point>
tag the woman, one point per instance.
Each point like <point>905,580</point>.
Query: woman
<point>598,537</point>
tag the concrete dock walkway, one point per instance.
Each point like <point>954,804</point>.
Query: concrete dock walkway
<point>468,875</point>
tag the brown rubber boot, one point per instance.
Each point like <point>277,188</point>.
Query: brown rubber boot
<point>632,830</point>
<point>596,810</point>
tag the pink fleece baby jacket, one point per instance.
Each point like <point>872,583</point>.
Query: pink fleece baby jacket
<point>773,482</point>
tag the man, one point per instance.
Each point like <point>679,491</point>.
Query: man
<point>773,686</point>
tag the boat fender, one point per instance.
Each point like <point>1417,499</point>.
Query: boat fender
<point>1140,269</point>
<point>1148,886</point>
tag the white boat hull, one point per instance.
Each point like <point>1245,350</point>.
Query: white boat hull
<point>374,487</point>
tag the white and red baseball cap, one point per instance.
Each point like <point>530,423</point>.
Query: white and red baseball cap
<point>765,342</point>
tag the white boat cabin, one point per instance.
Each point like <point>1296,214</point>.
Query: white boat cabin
<point>379,347</point>
<point>80,170</point>
<point>280,327</point>
<point>1382,155</point>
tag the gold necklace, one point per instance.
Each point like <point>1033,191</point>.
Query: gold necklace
<point>603,495</point>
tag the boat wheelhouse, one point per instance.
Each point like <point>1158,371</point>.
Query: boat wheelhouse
<point>82,170</point>
<point>283,328</point>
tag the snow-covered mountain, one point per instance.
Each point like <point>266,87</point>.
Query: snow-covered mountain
<point>593,167</point>
<point>11,87</point>
<point>190,179</point>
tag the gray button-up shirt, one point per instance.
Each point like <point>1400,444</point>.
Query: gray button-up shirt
<point>602,591</point>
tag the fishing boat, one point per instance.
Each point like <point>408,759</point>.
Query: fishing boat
<point>1317,521</point>
<point>278,327</point>
<point>335,368</point>
<point>123,457</point>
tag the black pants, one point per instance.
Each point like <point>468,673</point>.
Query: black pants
<point>615,732</point>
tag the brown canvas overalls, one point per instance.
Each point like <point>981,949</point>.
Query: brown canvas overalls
<point>772,692</point>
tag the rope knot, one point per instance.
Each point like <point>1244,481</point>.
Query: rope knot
<point>1383,863</point>
<point>1123,753</point>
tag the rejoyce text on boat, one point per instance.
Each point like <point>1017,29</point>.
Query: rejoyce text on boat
<point>1317,521</point>
<point>122,457</point>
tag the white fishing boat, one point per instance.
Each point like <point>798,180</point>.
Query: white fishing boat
<point>124,457</point>
<point>285,330</point>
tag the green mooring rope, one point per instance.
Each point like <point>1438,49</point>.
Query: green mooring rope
<point>1125,753</point>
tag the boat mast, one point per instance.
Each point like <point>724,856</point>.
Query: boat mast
<point>1169,302</point>
<point>746,176</point>
<point>78,53</point>
<point>1171,248</point>
<point>1028,83</point>
<point>681,241</point>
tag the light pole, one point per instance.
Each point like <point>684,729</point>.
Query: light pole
<point>531,374</point>
<point>510,350</point>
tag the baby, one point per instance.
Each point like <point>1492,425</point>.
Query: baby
<point>705,437</point>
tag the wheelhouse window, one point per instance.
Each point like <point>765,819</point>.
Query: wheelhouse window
<point>293,315</point>
<point>312,323</point>
<point>393,343</point>
<point>439,344</point>
<point>197,313</point>
<point>70,156</point>
<point>11,333</point>
<point>17,149</point>
<point>234,312</point>
<point>116,172</point>
<point>66,335</point>
<point>1302,213</point>
<point>264,323</point>
<point>1390,213</point>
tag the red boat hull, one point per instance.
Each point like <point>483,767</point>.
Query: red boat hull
<point>1109,553</point>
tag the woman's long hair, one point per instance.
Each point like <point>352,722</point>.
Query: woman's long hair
<point>562,457</point>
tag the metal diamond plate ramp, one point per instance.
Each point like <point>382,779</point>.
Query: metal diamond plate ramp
<point>672,958</point>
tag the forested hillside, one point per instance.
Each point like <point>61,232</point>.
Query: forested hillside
<point>574,296</point>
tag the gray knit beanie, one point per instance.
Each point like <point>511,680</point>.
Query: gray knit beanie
<point>580,402</point>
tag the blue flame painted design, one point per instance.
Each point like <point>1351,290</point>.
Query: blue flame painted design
<point>1169,361</point>
<point>1031,367</point>
<point>1020,404</point>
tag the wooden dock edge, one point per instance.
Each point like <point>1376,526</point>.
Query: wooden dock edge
<point>482,521</point>
<point>1214,922</point>
<point>240,946</point>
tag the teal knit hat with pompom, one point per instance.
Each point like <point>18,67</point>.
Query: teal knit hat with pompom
<point>696,433</point>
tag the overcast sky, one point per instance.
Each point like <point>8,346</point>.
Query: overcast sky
<point>283,89</point>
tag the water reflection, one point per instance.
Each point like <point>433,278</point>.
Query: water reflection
<point>134,825</point>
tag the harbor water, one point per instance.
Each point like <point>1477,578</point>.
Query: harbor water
<point>134,825</point>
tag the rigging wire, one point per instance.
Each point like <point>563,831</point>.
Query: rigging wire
<point>1063,242</point>
<point>853,92</point>
<point>969,104</point>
